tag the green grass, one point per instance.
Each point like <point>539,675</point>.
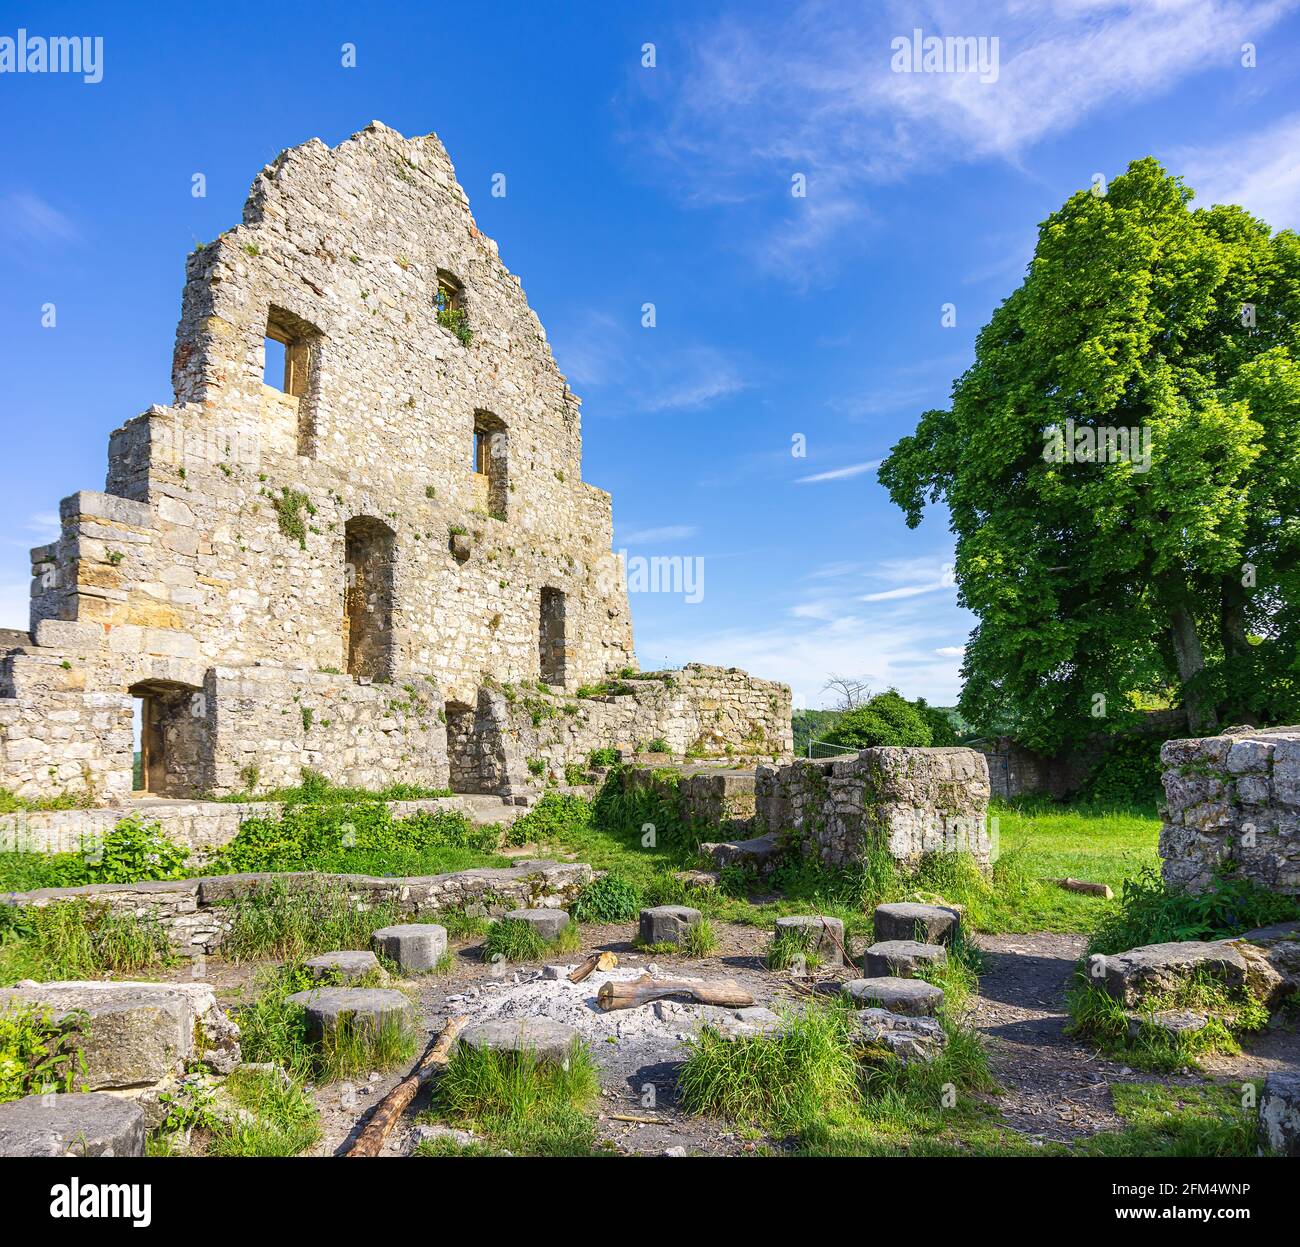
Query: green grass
<point>315,789</point>
<point>284,1120</point>
<point>273,1028</point>
<point>518,1104</point>
<point>514,940</point>
<point>1159,1121</point>
<point>1098,1017</point>
<point>77,939</point>
<point>38,1052</point>
<point>277,920</point>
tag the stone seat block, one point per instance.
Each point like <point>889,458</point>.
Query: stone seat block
<point>666,924</point>
<point>900,958</point>
<point>416,947</point>
<point>928,924</point>
<point>365,1008</point>
<point>345,966</point>
<point>810,931</point>
<point>548,923</point>
<point>910,997</point>
<point>73,1124</point>
<point>543,1037</point>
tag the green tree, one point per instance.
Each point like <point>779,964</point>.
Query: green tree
<point>887,719</point>
<point>1164,568</point>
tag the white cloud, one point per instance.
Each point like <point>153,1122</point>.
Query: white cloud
<point>839,474</point>
<point>951,651</point>
<point>810,90</point>
<point>906,591</point>
<point>27,218</point>
<point>670,532</point>
<point>1259,170</point>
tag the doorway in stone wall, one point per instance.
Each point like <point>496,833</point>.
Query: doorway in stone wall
<point>370,549</point>
<point>173,739</point>
<point>462,748</point>
<point>551,625</point>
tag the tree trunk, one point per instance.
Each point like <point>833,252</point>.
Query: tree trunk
<point>1232,617</point>
<point>1191,662</point>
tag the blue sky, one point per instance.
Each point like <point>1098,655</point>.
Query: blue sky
<point>778,318</point>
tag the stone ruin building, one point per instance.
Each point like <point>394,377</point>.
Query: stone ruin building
<point>384,566</point>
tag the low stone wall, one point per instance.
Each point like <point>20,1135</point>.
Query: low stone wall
<point>200,826</point>
<point>193,913</point>
<point>911,801</point>
<point>1232,798</point>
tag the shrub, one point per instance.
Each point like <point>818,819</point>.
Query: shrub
<point>1128,774</point>
<point>38,1052</point>
<point>555,816</point>
<point>610,898</point>
<point>887,719</point>
<point>1151,913</point>
<point>658,745</point>
<point>133,852</point>
<point>603,757</point>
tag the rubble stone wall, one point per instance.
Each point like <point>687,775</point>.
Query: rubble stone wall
<point>910,801</point>
<point>1235,799</point>
<point>194,915</point>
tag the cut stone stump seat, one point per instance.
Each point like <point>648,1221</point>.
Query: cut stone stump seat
<point>349,966</point>
<point>901,958</point>
<point>666,924</point>
<point>366,1008</point>
<point>72,1124</point>
<point>415,947</point>
<point>543,1037</point>
<point>907,920</point>
<point>548,923</point>
<point>909,997</point>
<point>810,933</point>
<point>1279,1113</point>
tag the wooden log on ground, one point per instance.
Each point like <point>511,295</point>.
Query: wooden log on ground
<point>597,961</point>
<point>393,1105</point>
<point>1088,889</point>
<point>646,990</point>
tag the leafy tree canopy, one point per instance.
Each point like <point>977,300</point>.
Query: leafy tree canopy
<point>1122,470</point>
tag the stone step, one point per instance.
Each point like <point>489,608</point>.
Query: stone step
<point>900,958</point>
<point>548,923</point>
<point>416,947</point>
<point>72,1124</point>
<point>910,997</point>
<point>666,924</point>
<point>907,920</point>
<point>345,967</point>
<point>808,931</point>
<point>365,1008</point>
<point>543,1037</point>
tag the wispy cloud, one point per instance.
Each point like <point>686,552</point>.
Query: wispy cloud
<point>650,536</point>
<point>27,218</point>
<point>810,90</point>
<point>839,474</point>
<point>1259,170</point>
<point>644,370</point>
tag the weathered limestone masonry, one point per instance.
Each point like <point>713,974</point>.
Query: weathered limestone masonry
<point>322,572</point>
<point>1232,798</point>
<point>911,801</point>
<point>191,911</point>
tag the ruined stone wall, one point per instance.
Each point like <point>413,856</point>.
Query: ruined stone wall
<point>909,801</point>
<point>1232,799</point>
<point>700,711</point>
<point>193,913</point>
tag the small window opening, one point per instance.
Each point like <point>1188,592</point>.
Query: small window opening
<point>449,303</point>
<point>551,637</point>
<point>291,348</point>
<point>490,462</point>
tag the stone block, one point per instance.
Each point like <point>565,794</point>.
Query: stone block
<point>901,958</point>
<point>68,634</point>
<point>544,1038</point>
<point>929,924</point>
<point>548,923</point>
<point>364,1008</point>
<point>910,997</point>
<point>416,947</point>
<point>345,967</point>
<point>810,933</point>
<point>908,1038</point>
<point>72,1124</point>
<point>1279,1114</point>
<point>666,924</point>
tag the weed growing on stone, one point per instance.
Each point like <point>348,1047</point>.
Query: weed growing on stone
<point>1135,1035</point>
<point>38,1052</point>
<point>790,945</point>
<point>355,1048</point>
<point>282,1119</point>
<point>700,940</point>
